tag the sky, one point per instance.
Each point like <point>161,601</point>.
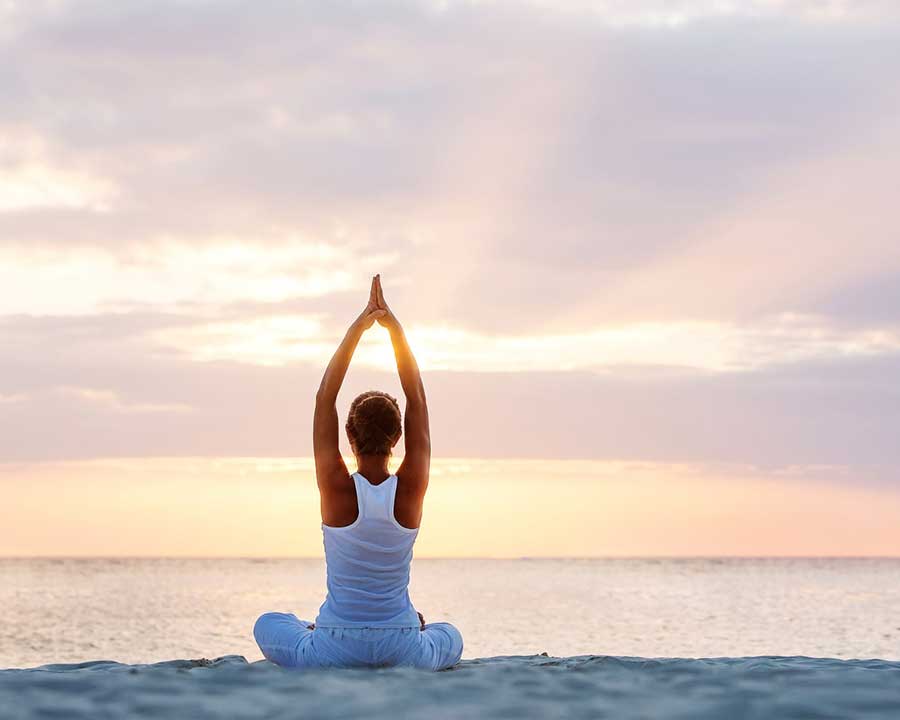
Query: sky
<point>647,254</point>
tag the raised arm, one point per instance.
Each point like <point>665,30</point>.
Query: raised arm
<point>326,448</point>
<point>417,460</point>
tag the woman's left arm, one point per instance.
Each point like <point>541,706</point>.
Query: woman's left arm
<point>326,447</point>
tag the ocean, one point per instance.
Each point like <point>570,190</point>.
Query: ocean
<point>151,610</point>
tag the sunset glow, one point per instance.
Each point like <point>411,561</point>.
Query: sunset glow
<point>646,254</point>
<point>478,508</point>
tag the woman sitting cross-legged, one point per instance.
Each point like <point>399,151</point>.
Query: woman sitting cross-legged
<point>370,520</point>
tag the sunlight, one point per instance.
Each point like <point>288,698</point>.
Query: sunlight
<point>712,346</point>
<point>269,507</point>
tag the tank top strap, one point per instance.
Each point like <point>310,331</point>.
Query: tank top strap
<point>360,483</point>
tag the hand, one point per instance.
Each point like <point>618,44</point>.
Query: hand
<point>388,319</point>
<point>372,312</point>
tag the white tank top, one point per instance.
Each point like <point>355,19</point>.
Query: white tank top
<point>367,564</point>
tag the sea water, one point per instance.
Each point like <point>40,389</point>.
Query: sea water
<point>148,610</point>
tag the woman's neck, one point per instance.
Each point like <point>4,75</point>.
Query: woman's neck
<point>373,468</point>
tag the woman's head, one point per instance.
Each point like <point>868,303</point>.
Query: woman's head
<point>373,423</point>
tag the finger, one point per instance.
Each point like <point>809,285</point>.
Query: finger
<point>380,292</point>
<point>373,292</point>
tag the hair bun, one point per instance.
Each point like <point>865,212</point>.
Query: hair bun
<point>374,423</point>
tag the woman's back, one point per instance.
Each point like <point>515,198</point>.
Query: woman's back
<point>367,564</point>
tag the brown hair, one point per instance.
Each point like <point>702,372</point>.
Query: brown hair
<point>374,423</point>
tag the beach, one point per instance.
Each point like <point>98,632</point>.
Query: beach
<point>501,687</point>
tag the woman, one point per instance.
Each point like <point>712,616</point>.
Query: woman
<point>370,521</point>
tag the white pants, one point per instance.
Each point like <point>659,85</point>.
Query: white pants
<point>287,641</point>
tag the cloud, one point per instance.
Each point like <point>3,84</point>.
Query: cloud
<point>287,339</point>
<point>624,173</point>
<point>30,179</point>
<point>110,401</point>
<point>665,229</point>
<point>814,411</point>
<point>164,275</point>
<point>39,186</point>
<point>661,14</point>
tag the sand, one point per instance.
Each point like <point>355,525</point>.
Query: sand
<point>500,687</point>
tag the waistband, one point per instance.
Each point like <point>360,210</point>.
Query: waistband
<point>346,626</point>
